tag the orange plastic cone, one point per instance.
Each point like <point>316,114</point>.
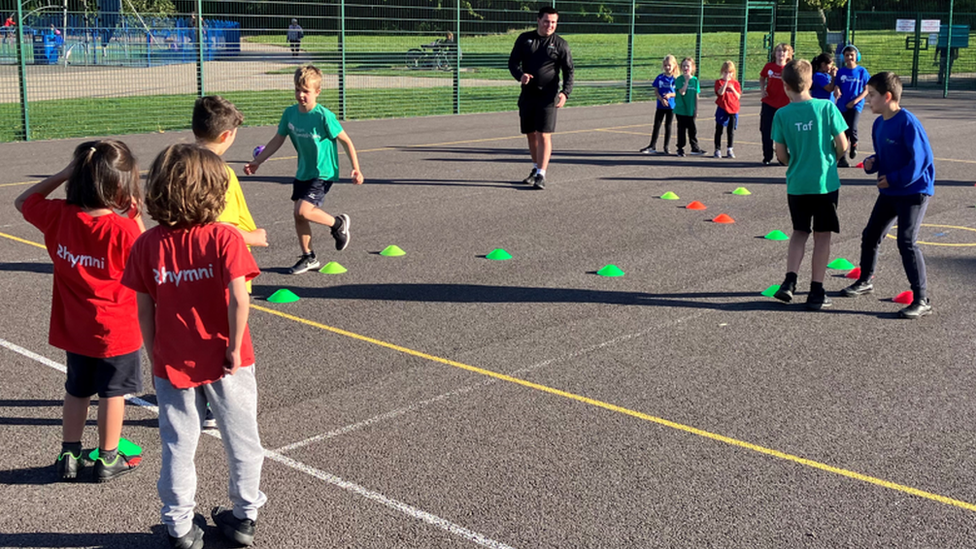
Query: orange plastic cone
<point>905,297</point>
<point>854,273</point>
<point>723,218</point>
<point>696,205</point>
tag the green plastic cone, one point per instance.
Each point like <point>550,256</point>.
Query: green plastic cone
<point>669,196</point>
<point>283,295</point>
<point>126,447</point>
<point>392,251</point>
<point>741,191</point>
<point>776,235</point>
<point>610,270</point>
<point>771,291</point>
<point>332,268</point>
<point>498,254</point>
<point>841,264</point>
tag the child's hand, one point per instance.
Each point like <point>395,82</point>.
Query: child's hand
<point>233,362</point>
<point>833,70</point>
<point>882,182</point>
<point>260,238</point>
<point>869,164</point>
<point>357,177</point>
<point>134,209</point>
<point>850,104</point>
<point>251,168</point>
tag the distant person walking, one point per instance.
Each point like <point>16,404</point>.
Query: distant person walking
<point>535,62</point>
<point>295,35</point>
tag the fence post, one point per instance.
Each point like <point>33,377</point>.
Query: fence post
<point>796,23</point>
<point>457,58</point>
<point>743,47</point>
<point>630,52</point>
<point>847,24</point>
<point>701,28</point>
<point>342,60</point>
<point>200,46</point>
<point>22,70</point>
<point>918,45</point>
<point>947,56</point>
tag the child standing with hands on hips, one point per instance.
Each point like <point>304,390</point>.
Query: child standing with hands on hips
<point>192,267</point>
<point>665,92</point>
<point>728,90</point>
<point>852,81</point>
<point>686,106</point>
<point>93,317</point>
<point>773,97</point>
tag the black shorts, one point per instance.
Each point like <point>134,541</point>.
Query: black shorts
<point>537,115</point>
<point>821,208</point>
<point>107,377</point>
<point>313,191</point>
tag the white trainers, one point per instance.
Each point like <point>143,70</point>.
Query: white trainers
<point>648,150</point>
<point>729,153</point>
<point>718,154</point>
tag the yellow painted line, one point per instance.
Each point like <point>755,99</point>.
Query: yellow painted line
<point>22,241</point>
<point>611,407</point>
<point>944,244</point>
<point>632,413</point>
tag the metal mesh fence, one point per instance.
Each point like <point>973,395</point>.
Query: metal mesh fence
<point>89,72</point>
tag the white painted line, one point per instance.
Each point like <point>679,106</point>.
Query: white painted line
<point>408,510</point>
<point>466,389</point>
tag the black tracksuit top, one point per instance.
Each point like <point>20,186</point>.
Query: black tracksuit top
<point>542,57</point>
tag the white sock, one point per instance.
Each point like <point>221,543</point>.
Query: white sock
<point>542,173</point>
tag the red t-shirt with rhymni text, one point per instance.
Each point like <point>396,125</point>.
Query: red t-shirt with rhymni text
<point>728,101</point>
<point>775,93</point>
<point>92,313</point>
<point>187,273</point>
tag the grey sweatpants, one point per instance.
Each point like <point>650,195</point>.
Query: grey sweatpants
<point>234,402</point>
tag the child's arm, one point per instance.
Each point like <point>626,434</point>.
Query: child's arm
<point>357,175</point>
<point>840,144</point>
<point>763,80</point>
<point>45,187</point>
<point>735,92</point>
<point>272,147</point>
<point>147,322</point>
<point>237,311</point>
<point>858,99</point>
<point>782,154</point>
<point>257,237</point>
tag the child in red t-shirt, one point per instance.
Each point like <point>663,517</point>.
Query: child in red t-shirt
<point>729,91</point>
<point>191,267</point>
<point>773,96</point>
<point>93,317</point>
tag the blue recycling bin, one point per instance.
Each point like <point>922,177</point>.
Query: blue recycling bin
<point>46,49</point>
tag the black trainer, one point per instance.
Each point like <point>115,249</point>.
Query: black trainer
<point>697,152</point>
<point>666,151</point>
<point>860,287</point>
<point>237,530</point>
<point>121,465</point>
<point>540,182</point>
<point>919,307</point>
<point>681,152</point>
<point>785,292</point>
<point>191,540</point>
<point>340,231</point>
<point>853,150</point>
<point>68,466</point>
<point>843,163</point>
<point>818,300</point>
<point>306,263</point>
<point>530,180</point>
<point>209,421</point>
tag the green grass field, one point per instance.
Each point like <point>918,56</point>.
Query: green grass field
<point>601,73</point>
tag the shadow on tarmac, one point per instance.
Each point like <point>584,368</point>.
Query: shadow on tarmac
<point>470,293</point>
<point>28,267</point>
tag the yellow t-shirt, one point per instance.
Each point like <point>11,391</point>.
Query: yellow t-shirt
<point>236,212</point>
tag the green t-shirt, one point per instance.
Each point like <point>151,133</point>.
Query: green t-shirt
<point>313,135</point>
<point>684,105</point>
<point>808,129</point>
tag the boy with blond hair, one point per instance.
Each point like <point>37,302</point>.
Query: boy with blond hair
<point>313,130</point>
<point>809,137</point>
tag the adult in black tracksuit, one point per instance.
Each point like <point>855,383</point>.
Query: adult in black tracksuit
<point>535,62</point>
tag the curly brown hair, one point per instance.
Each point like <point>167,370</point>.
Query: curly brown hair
<point>186,186</point>
<point>105,175</point>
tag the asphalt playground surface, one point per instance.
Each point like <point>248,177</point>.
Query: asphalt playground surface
<point>441,399</point>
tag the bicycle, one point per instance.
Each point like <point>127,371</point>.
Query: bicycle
<point>430,56</point>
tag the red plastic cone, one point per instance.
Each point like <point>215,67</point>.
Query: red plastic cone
<point>859,165</point>
<point>854,273</point>
<point>696,205</point>
<point>905,298</point>
<point>723,218</point>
